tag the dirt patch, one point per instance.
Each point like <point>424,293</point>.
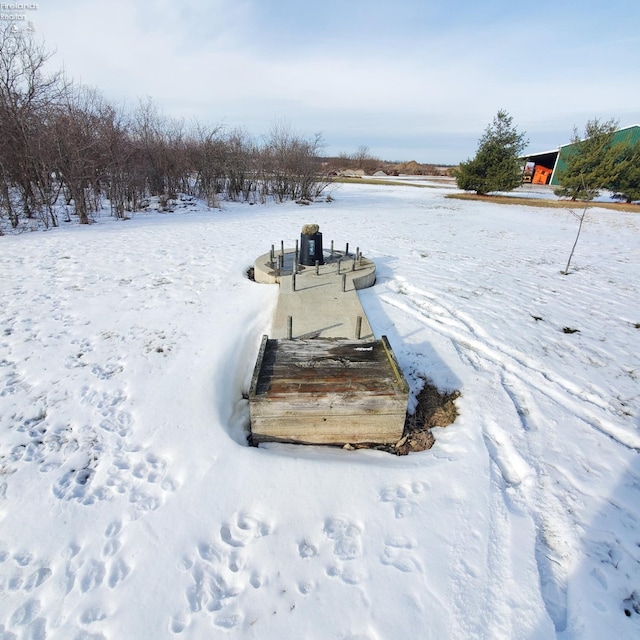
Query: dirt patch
<point>433,409</point>
<point>570,330</point>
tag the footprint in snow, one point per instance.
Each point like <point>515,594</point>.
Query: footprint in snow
<point>92,574</point>
<point>142,477</point>
<point>94,614</point>
<point>345,537</point>
<point>25,613</point>
<point>108,371</point>
<point>398,553</point>
<point>26,573</point>
<point>307,550</point>
<point>347,547</point>
<point>403,497</point>
<point>242,529</point>
<point>221,572</point>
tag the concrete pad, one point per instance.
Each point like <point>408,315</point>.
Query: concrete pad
<point>322,302</point>
<point>332,382</point>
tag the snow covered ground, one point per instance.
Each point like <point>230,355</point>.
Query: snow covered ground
<point>131,507</point>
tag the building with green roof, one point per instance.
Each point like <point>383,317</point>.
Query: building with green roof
<point>556,159</point>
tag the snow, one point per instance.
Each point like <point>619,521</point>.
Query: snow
<point>131,507</point>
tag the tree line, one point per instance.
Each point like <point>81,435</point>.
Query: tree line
<point>594,163</point>
<point>64,149</point>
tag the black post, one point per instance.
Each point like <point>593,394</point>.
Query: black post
<point>358,327</point>
<point>289,328</point>
<point>311,249</point>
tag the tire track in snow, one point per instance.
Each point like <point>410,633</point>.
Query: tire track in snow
<point>478,349</point>
<point>513,467</point>
<point>520,462</point>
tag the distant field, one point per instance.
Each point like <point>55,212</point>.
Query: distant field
<point>546,202</point>
<point>437,182</point>
<point>430,182</point>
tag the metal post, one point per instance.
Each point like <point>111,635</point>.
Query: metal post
<point>344,281</point>
<point>289,328</point>
<point>339,264</point>
<point>358,327</point>
<point>317,267</point>
<point>273,253</point>
<point>332,248</point>
<point>282,247</point>
<point>297,250</point>
<point>346,251</point>
<point>293,282</point>
<point>353,265</point>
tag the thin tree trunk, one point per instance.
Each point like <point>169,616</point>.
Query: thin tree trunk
<point>584,213</point>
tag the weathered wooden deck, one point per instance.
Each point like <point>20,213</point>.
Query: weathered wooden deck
<point>327,391</point>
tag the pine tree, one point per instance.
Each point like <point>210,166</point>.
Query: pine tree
<point>626,185</point>
<point>591,164</point>
<point>496,165</point>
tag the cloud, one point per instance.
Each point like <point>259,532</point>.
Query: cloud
<point>414,71</point>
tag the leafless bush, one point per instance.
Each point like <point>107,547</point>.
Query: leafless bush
<point>26,96</point>
<point>65,149</point>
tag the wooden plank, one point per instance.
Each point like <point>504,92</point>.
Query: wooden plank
<point>333,430</point>
<point>330,406</point>
<point>303,364</point>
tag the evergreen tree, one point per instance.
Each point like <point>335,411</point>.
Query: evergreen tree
<point>496,165</point>
<point>591,164</point>
<point>626,185</point>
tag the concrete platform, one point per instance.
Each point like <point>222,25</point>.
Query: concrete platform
<point>324,378</point>
<point>315,300</point>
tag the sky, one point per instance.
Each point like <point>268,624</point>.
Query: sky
<point>409,79</point>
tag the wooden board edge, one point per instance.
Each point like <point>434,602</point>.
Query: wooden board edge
<point>258,367</point>
<point>402,383</point>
